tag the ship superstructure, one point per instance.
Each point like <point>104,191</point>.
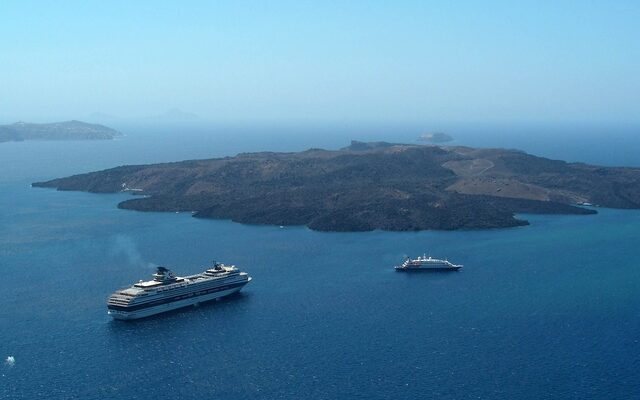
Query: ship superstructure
<point>426,263</point>
<point>168,292</point>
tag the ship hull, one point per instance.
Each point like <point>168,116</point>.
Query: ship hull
<point>174,305</point>
<point>430,268</point>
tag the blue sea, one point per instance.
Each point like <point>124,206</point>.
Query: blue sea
<point>546,311</point>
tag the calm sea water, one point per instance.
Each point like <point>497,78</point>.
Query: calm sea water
<point>551,310</point>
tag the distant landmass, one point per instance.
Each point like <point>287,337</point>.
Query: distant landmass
<point>69,130</point>
<point>369,186</point>
<point>435,137</point>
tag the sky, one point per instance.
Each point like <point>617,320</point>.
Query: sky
<point>359,61</point>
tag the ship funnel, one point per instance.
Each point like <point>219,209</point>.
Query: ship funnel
<point>163,275</point>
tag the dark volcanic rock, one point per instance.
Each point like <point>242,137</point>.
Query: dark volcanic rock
<point>369,186</point>
<point>70,130</point>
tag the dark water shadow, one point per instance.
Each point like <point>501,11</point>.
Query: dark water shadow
<point>429,275</point>
<point>429,271</point>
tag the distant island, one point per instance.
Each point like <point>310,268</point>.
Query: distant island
<point>69,130</point>
<point>369,186</point>
<point>435,137</point>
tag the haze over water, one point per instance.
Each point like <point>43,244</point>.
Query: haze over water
<point>544,311</point>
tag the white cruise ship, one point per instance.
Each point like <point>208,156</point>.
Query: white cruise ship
<point>425,263</point>
<point>167,292</point>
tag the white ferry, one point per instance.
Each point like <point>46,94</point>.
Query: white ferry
<point>167,292</point>
<point>423,263</point>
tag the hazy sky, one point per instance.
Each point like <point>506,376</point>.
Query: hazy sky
<point>374,61</point>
